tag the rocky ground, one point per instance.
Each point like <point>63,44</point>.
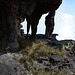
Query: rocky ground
<point>40,57</point>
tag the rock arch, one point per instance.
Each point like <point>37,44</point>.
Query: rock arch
<point>13,12</point>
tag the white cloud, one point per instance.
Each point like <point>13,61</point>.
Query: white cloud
<point>41,26</point>
<point>65,25</point>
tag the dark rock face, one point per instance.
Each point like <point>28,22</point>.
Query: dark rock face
<point>55,58</point>
<point>13,12</point>
<point>42,7</point>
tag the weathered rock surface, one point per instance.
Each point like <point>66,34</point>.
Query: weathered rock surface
<point>11,61</point>
<point>6,69</point>
<point>10,66</point>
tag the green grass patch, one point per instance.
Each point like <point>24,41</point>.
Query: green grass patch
<point>38,49</point>
<point>47,73</point>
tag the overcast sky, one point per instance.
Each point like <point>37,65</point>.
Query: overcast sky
<point>64,21</point>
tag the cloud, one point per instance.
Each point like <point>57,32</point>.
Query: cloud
<point>41,25</point>
<point>65,25</point>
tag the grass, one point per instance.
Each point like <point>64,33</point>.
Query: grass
<point>46,73</point>
<point>38,49</point>
<point>50,73</point>
<point>24,61</point>
<point>34,50</point>
<point>42,50</point>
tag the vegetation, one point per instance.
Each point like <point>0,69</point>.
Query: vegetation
<point>50,73</point>
<point>15,68</point>
<point>37,49</point>
<point>32,50</point>
<point>46,73</point>
<point>27,61</point>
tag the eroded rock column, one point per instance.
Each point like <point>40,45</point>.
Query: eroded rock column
<point>49,22</point>
<point>12,28</point>
<point>12,33</point>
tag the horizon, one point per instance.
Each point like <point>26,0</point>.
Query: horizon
<point>64,21</point>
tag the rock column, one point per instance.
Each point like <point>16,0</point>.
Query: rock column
<point>49,22</point>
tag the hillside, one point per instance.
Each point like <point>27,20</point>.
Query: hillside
<point>39,57</point>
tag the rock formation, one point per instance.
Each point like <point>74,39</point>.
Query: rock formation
<point>43,56</point>
<point>43,7</point>
<point>13,12</point>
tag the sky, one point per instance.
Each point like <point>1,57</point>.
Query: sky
<point>64,21</point>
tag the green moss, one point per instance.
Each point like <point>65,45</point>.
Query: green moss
<point>22,60</point>
<point>26,61</point>
<point>15,68</point>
